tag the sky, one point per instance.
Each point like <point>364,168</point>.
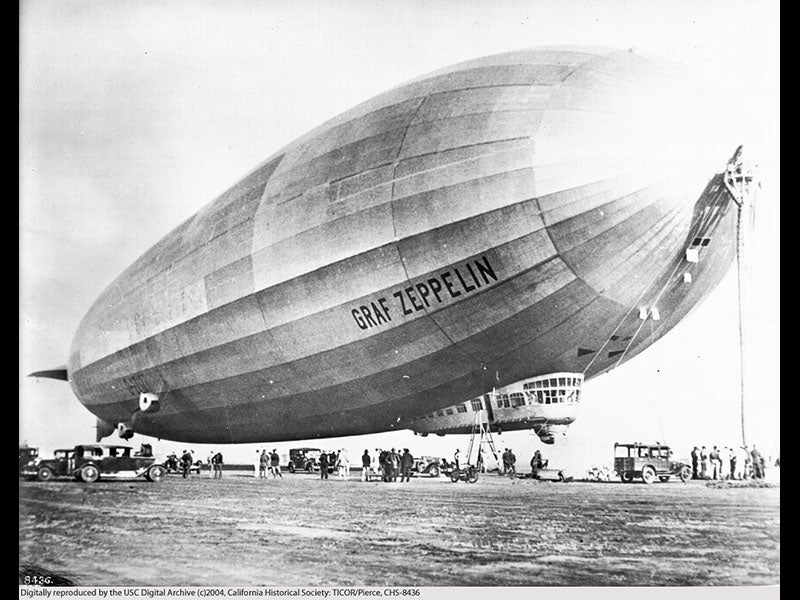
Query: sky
<point>133,116</point>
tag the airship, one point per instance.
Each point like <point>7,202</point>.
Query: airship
<point>555,210</point>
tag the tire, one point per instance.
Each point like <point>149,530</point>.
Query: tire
<point>454,476</point>
<point>89,474</point>
<point>44,474</point>
<point>685,474</point>
<point>472,475</point>
<point>648,474</point>
<point>433,470</point>
<point>291,467</point>
<point>156,473</point>
<point>626,476</point>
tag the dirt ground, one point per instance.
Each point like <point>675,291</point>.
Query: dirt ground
<point>300,531</point>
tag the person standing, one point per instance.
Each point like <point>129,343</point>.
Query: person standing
<point>395,457</point>
<point>725,463</point>
<point>733,462</point>
<point>512,462</point>
<point>257,465</point>
<point>536,463</point>
<point>457,459</point>
<point>263,464</point>
<point>186,463</point>
<point>210,466</point>
<point>217,462</point>
<point>715,462</point>
<point>505,461</point>
<point>748,464</point>
<point>366,465</point>
<point>741,462</point>
<point>703,463</point>
<point>695,461</point>
<point>344,459</point>
<point>386,466</point>
<point>339,465</point>
<point>323,466</point>
<point>406,462</point>
<point>755,455</point>
<point>275,464</point>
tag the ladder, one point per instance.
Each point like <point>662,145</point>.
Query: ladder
<point>481,430</point>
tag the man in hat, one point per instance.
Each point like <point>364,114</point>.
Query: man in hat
<point>275,464</point>
<point>366,465</point>
<point>406,462</point>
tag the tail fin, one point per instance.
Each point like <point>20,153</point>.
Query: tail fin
<point>57,373</point>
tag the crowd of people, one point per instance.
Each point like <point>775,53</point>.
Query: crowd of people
<point>387,465</point>
<point>338,461</point>
<point>267,463</point>
<point>383,465</point>
<point>727,462</point>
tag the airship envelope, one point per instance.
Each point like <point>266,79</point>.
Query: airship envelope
<point>500,219</point>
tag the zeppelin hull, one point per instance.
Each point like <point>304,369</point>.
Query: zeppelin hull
<point>498,218</point>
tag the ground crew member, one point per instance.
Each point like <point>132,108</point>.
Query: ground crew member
<point>257,473</point>
<point>536,463</point>
<point>275,462</point>
<point>323,466</point>
<point>758,463</point>
<point>703,463</point>
<point>210,466</point>
<point>186,463</point>
<point>217,462</point>
<point>406,462</point>
<point>512,461</point>
<point>395,458</point>
<point>456,457</point>
<point>715,463</point>
<point>386,465</point>
<point>263,463</point>
<point>366,466</point>
<point>695,460</point>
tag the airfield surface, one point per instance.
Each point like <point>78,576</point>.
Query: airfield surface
<point>300,531</point>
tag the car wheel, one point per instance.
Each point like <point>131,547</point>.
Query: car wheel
<point>44,474</point>
<point>155,473</point>
<point>89,474</point>
<point>648,474</point>
<point>472,475</point>
<point>664,478</point>
<point>433,470</point>
<point>685,474</point>
<point>454,476</point>
<point>626,476</point>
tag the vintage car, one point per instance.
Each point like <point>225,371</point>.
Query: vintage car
<point>304,459</point>
<point>648,462</point>
<point>427,465</point>
<point>27,455</point>
<point>307,459</point>
<point>95,461</point>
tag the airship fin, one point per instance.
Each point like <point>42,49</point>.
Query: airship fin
<point>57,373</point>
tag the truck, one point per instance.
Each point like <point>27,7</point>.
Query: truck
<point>648,462</point>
